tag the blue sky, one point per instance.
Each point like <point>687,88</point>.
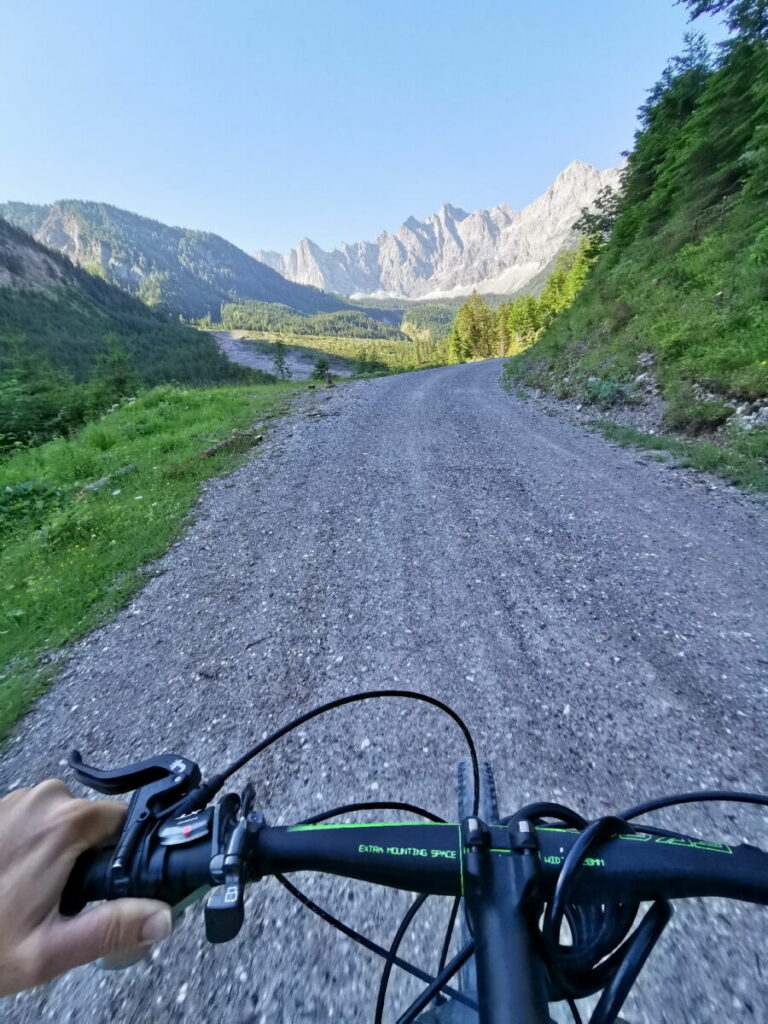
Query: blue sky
<point>269,120</point>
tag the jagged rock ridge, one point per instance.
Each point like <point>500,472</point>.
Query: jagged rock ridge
<point>497,250</point>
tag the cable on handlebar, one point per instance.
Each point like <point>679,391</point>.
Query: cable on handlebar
<point>405,924</point>
<point>202,795</point>
<point>703,796</point>
<point>603,955</point>
<point>385,805</point>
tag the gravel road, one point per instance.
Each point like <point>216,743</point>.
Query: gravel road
<point>597,618</point>
<point>299,361</point>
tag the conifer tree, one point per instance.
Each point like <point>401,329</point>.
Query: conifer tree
<point>279,364</point>
<point>474,331</point>
<point>747,18</point>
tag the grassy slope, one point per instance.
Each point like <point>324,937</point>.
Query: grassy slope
<point>67,327</point>
<point>68,562</point>
<point>685,275</point>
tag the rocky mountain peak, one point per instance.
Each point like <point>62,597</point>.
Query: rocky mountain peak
<point>453,252</point>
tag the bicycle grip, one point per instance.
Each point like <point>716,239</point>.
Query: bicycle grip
<point>88,881</point>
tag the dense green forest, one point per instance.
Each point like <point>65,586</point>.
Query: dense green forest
<point>481,332</point>
<point>71,344</point>
<point>272,316</point>
<point>681,282</point>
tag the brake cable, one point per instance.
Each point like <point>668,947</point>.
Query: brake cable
<point>205,792</point>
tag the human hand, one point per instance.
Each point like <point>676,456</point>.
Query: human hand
<point>43,830</point>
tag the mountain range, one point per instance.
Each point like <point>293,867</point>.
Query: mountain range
<point>452,252</point>
<point>183,271</point>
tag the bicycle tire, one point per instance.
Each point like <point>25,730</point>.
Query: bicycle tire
<point>452,1012</point>
<point>488,811</point>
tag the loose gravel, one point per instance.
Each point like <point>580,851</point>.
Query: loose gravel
<point>598,619</point>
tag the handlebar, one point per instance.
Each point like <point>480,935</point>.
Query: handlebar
<point>427,858</point>
<point>519,878</point>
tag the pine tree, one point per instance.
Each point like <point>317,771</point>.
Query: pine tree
<point>474,331</point>
<point>747,18</point>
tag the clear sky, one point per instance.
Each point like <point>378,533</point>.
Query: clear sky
<point>270,120</point>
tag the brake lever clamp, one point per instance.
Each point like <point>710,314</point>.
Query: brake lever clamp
<point>159,783</point>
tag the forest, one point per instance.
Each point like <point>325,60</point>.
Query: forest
<point>274,316</point>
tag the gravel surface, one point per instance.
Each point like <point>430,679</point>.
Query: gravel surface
<point>597,618</point>
<point>299,361</point>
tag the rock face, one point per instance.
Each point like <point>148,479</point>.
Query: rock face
<point>25,266</point>
<point>498,250</point>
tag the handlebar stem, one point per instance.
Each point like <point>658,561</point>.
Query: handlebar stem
<point>500,891</point>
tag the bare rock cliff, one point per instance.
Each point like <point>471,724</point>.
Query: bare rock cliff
<point>453,252</point>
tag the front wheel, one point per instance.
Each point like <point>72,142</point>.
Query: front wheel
<point>488,810</point>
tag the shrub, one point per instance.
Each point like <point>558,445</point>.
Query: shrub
<point>606,392</point>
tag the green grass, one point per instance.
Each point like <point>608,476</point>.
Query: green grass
<point>743,462</point>
<point>70,559</point>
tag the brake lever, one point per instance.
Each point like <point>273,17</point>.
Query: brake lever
<point>159,783</point>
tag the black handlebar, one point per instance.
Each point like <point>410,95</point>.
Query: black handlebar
<point>520,879</point>
<point>428,858</point>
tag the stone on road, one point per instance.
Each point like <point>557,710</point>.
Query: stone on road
<point>598,620</point>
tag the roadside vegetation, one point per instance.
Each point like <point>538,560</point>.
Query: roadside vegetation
<point>678,296</point>
<point>741,462</point>
<point>82,517</point>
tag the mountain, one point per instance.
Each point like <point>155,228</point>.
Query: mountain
<point>57,313</point>
<point>499,250</point>
<point>183,271</point>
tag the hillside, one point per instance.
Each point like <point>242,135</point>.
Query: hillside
<point>452,253</point>
<point>52,310</point>
<point>676,307</point>
<point>183,271</point>
<point>72,344</point>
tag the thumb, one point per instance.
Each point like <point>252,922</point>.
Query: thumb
<point>111,928</point>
